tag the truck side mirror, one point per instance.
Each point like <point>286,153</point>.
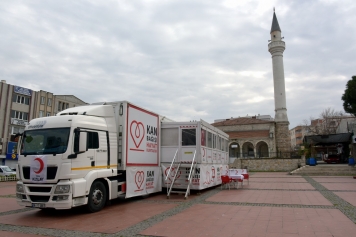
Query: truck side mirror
<point>80,141</point>
<point>83,142</point>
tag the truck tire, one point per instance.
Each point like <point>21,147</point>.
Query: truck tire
<point>97,197</point>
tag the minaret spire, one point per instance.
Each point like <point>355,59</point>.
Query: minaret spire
<point>275,25</point>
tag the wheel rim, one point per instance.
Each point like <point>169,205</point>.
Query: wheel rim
<point>97,197</point>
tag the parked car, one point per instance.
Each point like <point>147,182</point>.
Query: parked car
<point>333,159</point>
<point>6,171</point>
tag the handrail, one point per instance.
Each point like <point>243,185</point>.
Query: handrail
<point>170,168</point>
<point>190,173</point>
<point>192,170</point>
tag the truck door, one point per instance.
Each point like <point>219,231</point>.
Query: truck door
<point>98,142</point>
<point>86,161</point>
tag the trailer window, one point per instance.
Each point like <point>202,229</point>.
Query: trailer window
<point>170,136</point>
<point>189,137</point>
<point>203,137</point>
<point>210,140</point>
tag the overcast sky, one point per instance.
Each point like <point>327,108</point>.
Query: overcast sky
<point>184,59</point>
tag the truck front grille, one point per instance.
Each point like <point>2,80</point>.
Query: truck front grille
<point>40,189</point>
<point>51,172</point>
<point>35,198</point>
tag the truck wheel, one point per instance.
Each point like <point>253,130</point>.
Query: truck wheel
<point>97,197</point>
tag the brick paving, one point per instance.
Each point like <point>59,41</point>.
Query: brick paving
<point>273,204</point>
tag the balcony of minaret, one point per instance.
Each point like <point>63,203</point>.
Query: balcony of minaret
<point>281,45</point>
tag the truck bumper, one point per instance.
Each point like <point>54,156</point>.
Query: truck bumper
<point>45,196</point>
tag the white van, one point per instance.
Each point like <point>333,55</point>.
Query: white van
<point>6,171</point>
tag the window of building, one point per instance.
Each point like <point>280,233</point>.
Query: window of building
<point>42,100</point>
<point>19,115</point>
<point>48,114</point>
<point>49,102</point>
<point>40,115</point>
<point>16,130</point>
<point>20,99</point>
<point>67,106</point>
<point>59,106</point>
<point>332,123</point>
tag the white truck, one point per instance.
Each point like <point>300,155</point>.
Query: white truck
<point>88,155</point>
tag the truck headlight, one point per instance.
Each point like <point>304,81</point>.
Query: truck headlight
<point>62,189</point>
<point>19,188</point>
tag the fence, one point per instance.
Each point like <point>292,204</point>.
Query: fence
<point>290,154</point>
<point>8,178</point>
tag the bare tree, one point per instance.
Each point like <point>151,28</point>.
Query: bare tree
<point>327,123</point>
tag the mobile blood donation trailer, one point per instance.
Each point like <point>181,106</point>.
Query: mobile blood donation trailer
<point>194,154</point>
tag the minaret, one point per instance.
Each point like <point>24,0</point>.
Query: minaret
<point>276,47</point>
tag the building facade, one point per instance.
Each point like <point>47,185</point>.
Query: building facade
<point>249,137</point>
<point>19,105</point>
<point>297,135</point>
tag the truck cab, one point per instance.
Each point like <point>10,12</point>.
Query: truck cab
<point>67,160</point>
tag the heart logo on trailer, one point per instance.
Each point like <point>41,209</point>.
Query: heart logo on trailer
<point>137,131</point>
<point>172,173</point>
<point>139,178</point>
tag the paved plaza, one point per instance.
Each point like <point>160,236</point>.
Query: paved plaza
<point>272,204</point>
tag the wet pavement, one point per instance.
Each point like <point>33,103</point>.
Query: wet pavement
<point>272,204</point>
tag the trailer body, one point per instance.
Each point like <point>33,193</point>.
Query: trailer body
<point>195,142</point>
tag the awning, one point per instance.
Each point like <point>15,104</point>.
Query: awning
<point>328,139</point>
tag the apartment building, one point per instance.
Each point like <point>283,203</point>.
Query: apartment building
<point>296,136</point>
<point>19,105</point>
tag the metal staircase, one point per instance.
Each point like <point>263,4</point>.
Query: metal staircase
<point>180,167</point>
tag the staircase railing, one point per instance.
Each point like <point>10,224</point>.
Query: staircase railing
<point>169,171</point>
<point>191,174</point>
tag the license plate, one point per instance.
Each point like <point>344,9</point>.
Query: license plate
<point>38,205</point>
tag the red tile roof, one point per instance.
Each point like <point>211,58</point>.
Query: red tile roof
<point>241,121</point>
<point>249,134</point>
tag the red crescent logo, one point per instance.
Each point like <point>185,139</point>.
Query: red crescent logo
<point>41,165</point>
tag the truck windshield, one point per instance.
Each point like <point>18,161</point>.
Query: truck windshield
<point>45,141</point>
